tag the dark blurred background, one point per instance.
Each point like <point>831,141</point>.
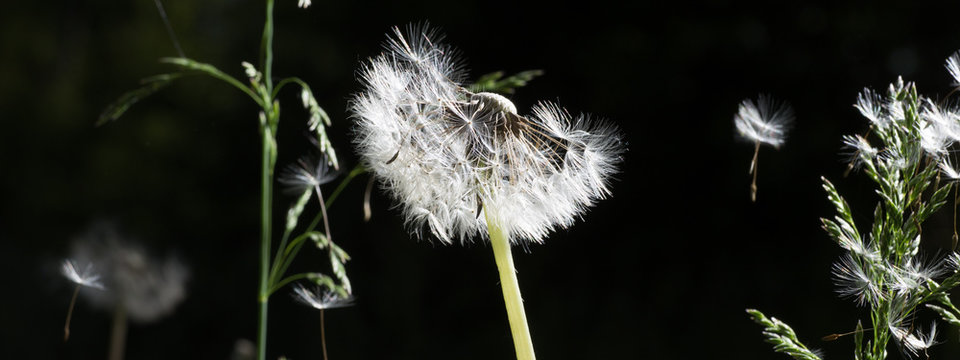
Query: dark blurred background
<point>663,269</point>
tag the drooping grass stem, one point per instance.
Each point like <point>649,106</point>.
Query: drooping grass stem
<point>511,289</point>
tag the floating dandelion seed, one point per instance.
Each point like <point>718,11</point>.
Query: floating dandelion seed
<point>467,165</point>
<point>321,299</point>
<point>83,278</point>
<point>765,121</point>
<point>86,277</point>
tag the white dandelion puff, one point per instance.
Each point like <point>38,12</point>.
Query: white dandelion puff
<point>765,121</point>
<point>303,3</point>
<point>147,288</point>
<point>449,155</point>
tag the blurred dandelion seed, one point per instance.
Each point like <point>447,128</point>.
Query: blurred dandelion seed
<point>765,121</point>
<point>82,278</point>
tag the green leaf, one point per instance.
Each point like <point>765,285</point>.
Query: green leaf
<point>782,337</point>
<point>293,214</point>
<point>492,82</point>
<point>945,314</point>
<point>190,64</point>
<point>121,105</point>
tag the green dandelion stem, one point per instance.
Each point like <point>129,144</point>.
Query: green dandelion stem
<point>511,290</point>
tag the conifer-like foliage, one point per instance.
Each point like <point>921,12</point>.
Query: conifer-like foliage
<point>906,153</point>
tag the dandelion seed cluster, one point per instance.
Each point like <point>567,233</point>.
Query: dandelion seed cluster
<point>453,157</point>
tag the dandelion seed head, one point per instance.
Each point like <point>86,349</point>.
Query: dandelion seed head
<point>452,157</point>
<point>147,288</point>
<point>320,298</point>
<point>765,121</point>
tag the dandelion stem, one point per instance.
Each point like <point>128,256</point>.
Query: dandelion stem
<point>118,335</point>
<point>511,289</point>
<point>66,325</point>
<point>753,170</point>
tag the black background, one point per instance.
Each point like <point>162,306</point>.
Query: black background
<point>663,269</point>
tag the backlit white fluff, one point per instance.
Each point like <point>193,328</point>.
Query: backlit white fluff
<point>446,153</point>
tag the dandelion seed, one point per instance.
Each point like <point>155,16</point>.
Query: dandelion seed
<point>83,278</point>
<point>321,299</point>
<point>309,171</point>
<point>870,106</point>
<point>953,67</point>
<point>852,281</point>
<point>86,277</point>
<point>858,150</point>
<point>447,154</point>
<point>762,122</point>
<point>916,343</point>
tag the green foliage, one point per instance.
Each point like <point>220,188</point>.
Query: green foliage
<point>883,268</point>
<point>496,83</point>
<point>782,337</point>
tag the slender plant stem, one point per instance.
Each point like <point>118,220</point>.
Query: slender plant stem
<point>753,170</point>
<point>66,325</point>
<point>323,336</point>
<point>118,335</point>
<point>266,182</point>
<point>268,48</point>
<point>511,289</point>
<point>266,202</point>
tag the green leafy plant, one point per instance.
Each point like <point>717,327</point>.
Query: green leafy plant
<point>883,268</point>
<point>308,176</point>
